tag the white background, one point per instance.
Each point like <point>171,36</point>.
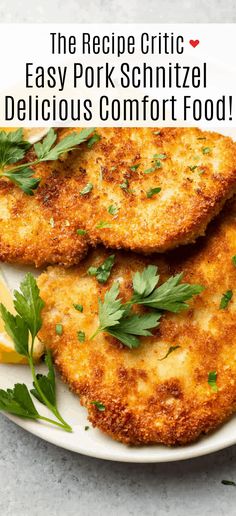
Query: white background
<point>217,44</point>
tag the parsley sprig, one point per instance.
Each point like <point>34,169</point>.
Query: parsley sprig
<point>23,329</point>
<point>13,148</point>
<point>171,295</point>
<point>118,319</point>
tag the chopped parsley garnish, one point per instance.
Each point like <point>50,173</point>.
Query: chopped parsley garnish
<point>206,150</point>
<point>87,189</point>
<point>103,224</point>
<point>118,320</point>
<point>59,329</point>
<point>153,191</point>
<point>78,307</point>
<point>99,405</point>
<point>234,260</point>
<point>103,272</point>
<point>228,483</point>
<point>81,336</point>
<point>94,139</point>
<point>157,163</point>
<point>13,148</point>
<point>149,170</point>
<point>212,377</point>
<point>160,156</point>
<point>226,298</point>
<point>23,329</point>
<point>86,428</point>
<point>124,185</point>
<point>192,168</point>
<point>170,350</point>
<point>113,209</point>
<point>134,167</point>
<point>81,232</point>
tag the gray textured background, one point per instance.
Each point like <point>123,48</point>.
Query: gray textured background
<point>39,479</point>
<point>119,11</point>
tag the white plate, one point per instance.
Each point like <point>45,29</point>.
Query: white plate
<point>92,442</point>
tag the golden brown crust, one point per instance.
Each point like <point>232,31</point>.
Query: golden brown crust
<point>148,400</point>
<point>41,229</point>
<point>189,197</point>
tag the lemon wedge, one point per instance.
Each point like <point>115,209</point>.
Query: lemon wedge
<point>8,355</point>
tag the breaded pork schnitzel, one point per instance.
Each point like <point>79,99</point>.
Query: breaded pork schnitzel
<point>146,395</point>
<point>155,189</point>
<point>43,228</point>
<point>135,188</point>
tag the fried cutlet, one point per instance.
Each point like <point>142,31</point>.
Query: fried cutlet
<point>149,398</point>
<point>43,228</point>
<point>135,188</point>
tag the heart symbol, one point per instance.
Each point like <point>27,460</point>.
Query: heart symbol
<point>194,42</point>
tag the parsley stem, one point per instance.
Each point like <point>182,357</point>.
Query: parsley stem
<point>98,330</point>
<point>19,167</point>
<point>65,427</point>
<point>51,407</point>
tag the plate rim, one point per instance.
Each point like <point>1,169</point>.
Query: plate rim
<point>185,453</point>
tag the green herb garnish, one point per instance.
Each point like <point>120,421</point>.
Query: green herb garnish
<point>171,295</point>
<point>206,150</point>
<point>13,149</point>
<point>87,189</point>
<point>170,350</point>
<point>153,191</point>
<point>134,167</point>
<point>157,163</point>
<point>81,336</point>
<point>81,232</point>
<point>78,307</point>
<point>234,260</point>
<point>103,272</point>
<point>149,170</point>
<point>59,329</point>
<point>113,209</point>
<point>212,377</point>
<point>132,326</point>
<point>228,483</point>
<point>22,329</point>
<point>226,298</point>
<point>103,224</point>
<point>118,320</point>
<point>125,185</point>
<point>94,139</point>
<point>160,156</point>
<point>99,405</point>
